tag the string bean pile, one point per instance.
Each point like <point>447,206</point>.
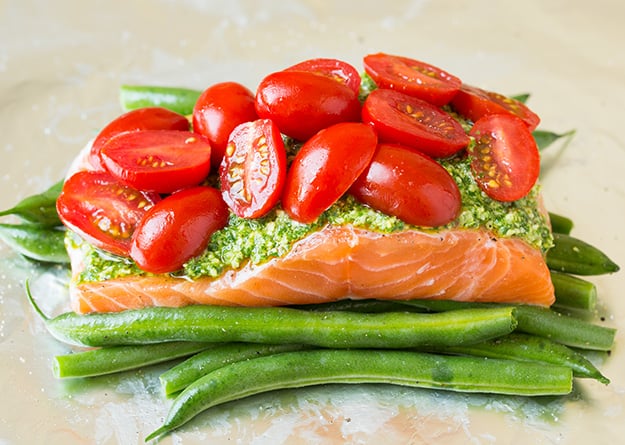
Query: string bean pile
<point>231,353</point>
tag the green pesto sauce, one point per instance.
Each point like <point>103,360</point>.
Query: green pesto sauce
<point>256,240</point>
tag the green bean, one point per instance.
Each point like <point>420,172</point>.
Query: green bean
<point>280,325</point>
<point>305,368</point>
<point>573,292</point>
<point>113,359</point>
<point>182,375</point>
<point>39,209</point>
<point>531,348</point>
<point>545,138</point>
<point>563,329</point>
<point>36,242</point>
<point>560,224</point>
<point>180,100</point>
<point>365,305</point>
<point>574,256</point>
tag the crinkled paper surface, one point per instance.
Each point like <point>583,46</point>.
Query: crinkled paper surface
<point>61,64</point>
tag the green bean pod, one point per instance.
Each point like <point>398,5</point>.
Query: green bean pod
<point>281,325</point>
<point>113,359</point>
<point>560,224</point>
<point>573,292</point>
<point>574,256</point>
<point>314,367</point>
<point>36,242</point>
<point>536,320</point>
<point>531,348</point>
<point>183,374</point>
<point>180,100</point>
<point>39,209</point>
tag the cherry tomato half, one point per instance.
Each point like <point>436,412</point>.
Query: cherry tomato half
<point>178,228</point>
<point>409,185</point>
<point>159,161</point>
<point>149,118</point>
<point>407,120</point>
<point>505,158</point>
<point>102,210</point>
<point>219,109</point>
<point>335,69</point>
<point>474,103</point>
<point>325,168</point>
<point>412,77</point>
<point>301,103</point>
<point>253,168</point>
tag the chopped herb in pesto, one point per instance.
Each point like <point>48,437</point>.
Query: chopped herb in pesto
<point>257,240</point>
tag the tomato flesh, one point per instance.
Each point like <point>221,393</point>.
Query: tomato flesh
<point>218,110</point>
<point>301,103</point>
<point>475,103</point>
<point>325,167</point>
<point>159,161</point>
<point>177,229</point>
<point>149,118</point>
<point>409,185</point>
<point>412,77</point>
<point>335,69</point>
<point>253,168</point>
<point>102,210</point>
<point>406,120</point>
<point>505,158</point>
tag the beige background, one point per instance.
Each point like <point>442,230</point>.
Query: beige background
<point>61,63</point>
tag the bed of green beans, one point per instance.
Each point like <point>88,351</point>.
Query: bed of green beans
<point>223,354</point>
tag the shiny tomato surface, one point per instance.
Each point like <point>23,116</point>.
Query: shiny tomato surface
<point>405,183</point>
<point>102,210</point>
<point>302,103</point>
<point>158,161</point>
<point>218,110</point>
<point>325,168</point>
<point>177,229</point>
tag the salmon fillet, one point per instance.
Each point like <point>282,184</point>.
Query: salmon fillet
<point>340,262</point>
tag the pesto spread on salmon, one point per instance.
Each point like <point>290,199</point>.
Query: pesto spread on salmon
<point>257,240</point>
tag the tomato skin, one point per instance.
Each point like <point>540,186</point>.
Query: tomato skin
<point>302,103</point>
<point>158,160</point>
<point>149,118</point>
<point>325,167</point>
<point>505,158</point>
<point>253,168</point>
<point>412,77</point>
<point>335,69</point>
<point>406,120</point>
<point>405,183</point>
<point>218,110</point>
<point>177,229</point>
<point>102,210</point>
<point>475,103</point>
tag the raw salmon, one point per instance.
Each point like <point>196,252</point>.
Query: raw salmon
<point>345,262</point>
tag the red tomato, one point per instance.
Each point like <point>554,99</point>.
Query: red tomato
<point>302,103</point>
<point>253,168</point>
<point>150,118</point>
<point>103,211</point>
<point>407,120</point>
<point>178,228</point>
<point>325,167</point>
<point>159,161</point>
<point>335,69</point>
<point>474,103</point>
<point>412,77</point>
<point>409,185</point>
<point>218,110</point>
<point>505,158</point>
